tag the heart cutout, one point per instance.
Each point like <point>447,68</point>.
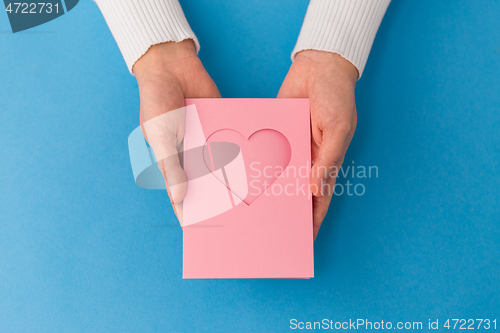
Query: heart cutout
<point>263,157</point>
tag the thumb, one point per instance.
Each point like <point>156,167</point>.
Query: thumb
<point>175,178</point>
<point>164,133</point>
<point>329,160</point>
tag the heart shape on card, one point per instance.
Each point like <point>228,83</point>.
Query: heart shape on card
<point>263,157</point>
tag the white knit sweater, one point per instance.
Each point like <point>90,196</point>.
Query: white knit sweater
<point>345,27</point>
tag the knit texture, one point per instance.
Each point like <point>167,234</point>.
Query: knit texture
<point>136,25</point>
<point>345,27</point>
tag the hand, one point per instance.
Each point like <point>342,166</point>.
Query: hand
<point>328,80</point>
<point>166,74</point>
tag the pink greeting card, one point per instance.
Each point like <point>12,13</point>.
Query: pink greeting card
<point>247,212</point>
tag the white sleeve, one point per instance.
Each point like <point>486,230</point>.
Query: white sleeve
<point>136,25</point>
<point>345,27</point>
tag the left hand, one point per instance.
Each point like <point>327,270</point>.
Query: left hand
<point>328,80</point>
<point>167,74</point>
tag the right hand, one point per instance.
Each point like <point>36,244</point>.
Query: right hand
<point>167,74</point>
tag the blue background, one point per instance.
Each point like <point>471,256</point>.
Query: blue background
<point>83,249</point>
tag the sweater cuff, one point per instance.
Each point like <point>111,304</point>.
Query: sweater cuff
<point>345,27</point>
<point>136,25</point>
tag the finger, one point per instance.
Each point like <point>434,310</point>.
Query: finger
<point>175,178</point>
<point>177,207</point>
<point>208,90</point>
<point>334,142</point>
<point>292,89</point>
<point>164,129</point>
<point>178,210</point>
<point>286,92</point>
<point>321,204</point>
<point>205,89</point>
<point>200,84</point>
<point>163,133</point>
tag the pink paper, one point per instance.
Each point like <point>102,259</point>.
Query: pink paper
<point>251,215</point>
